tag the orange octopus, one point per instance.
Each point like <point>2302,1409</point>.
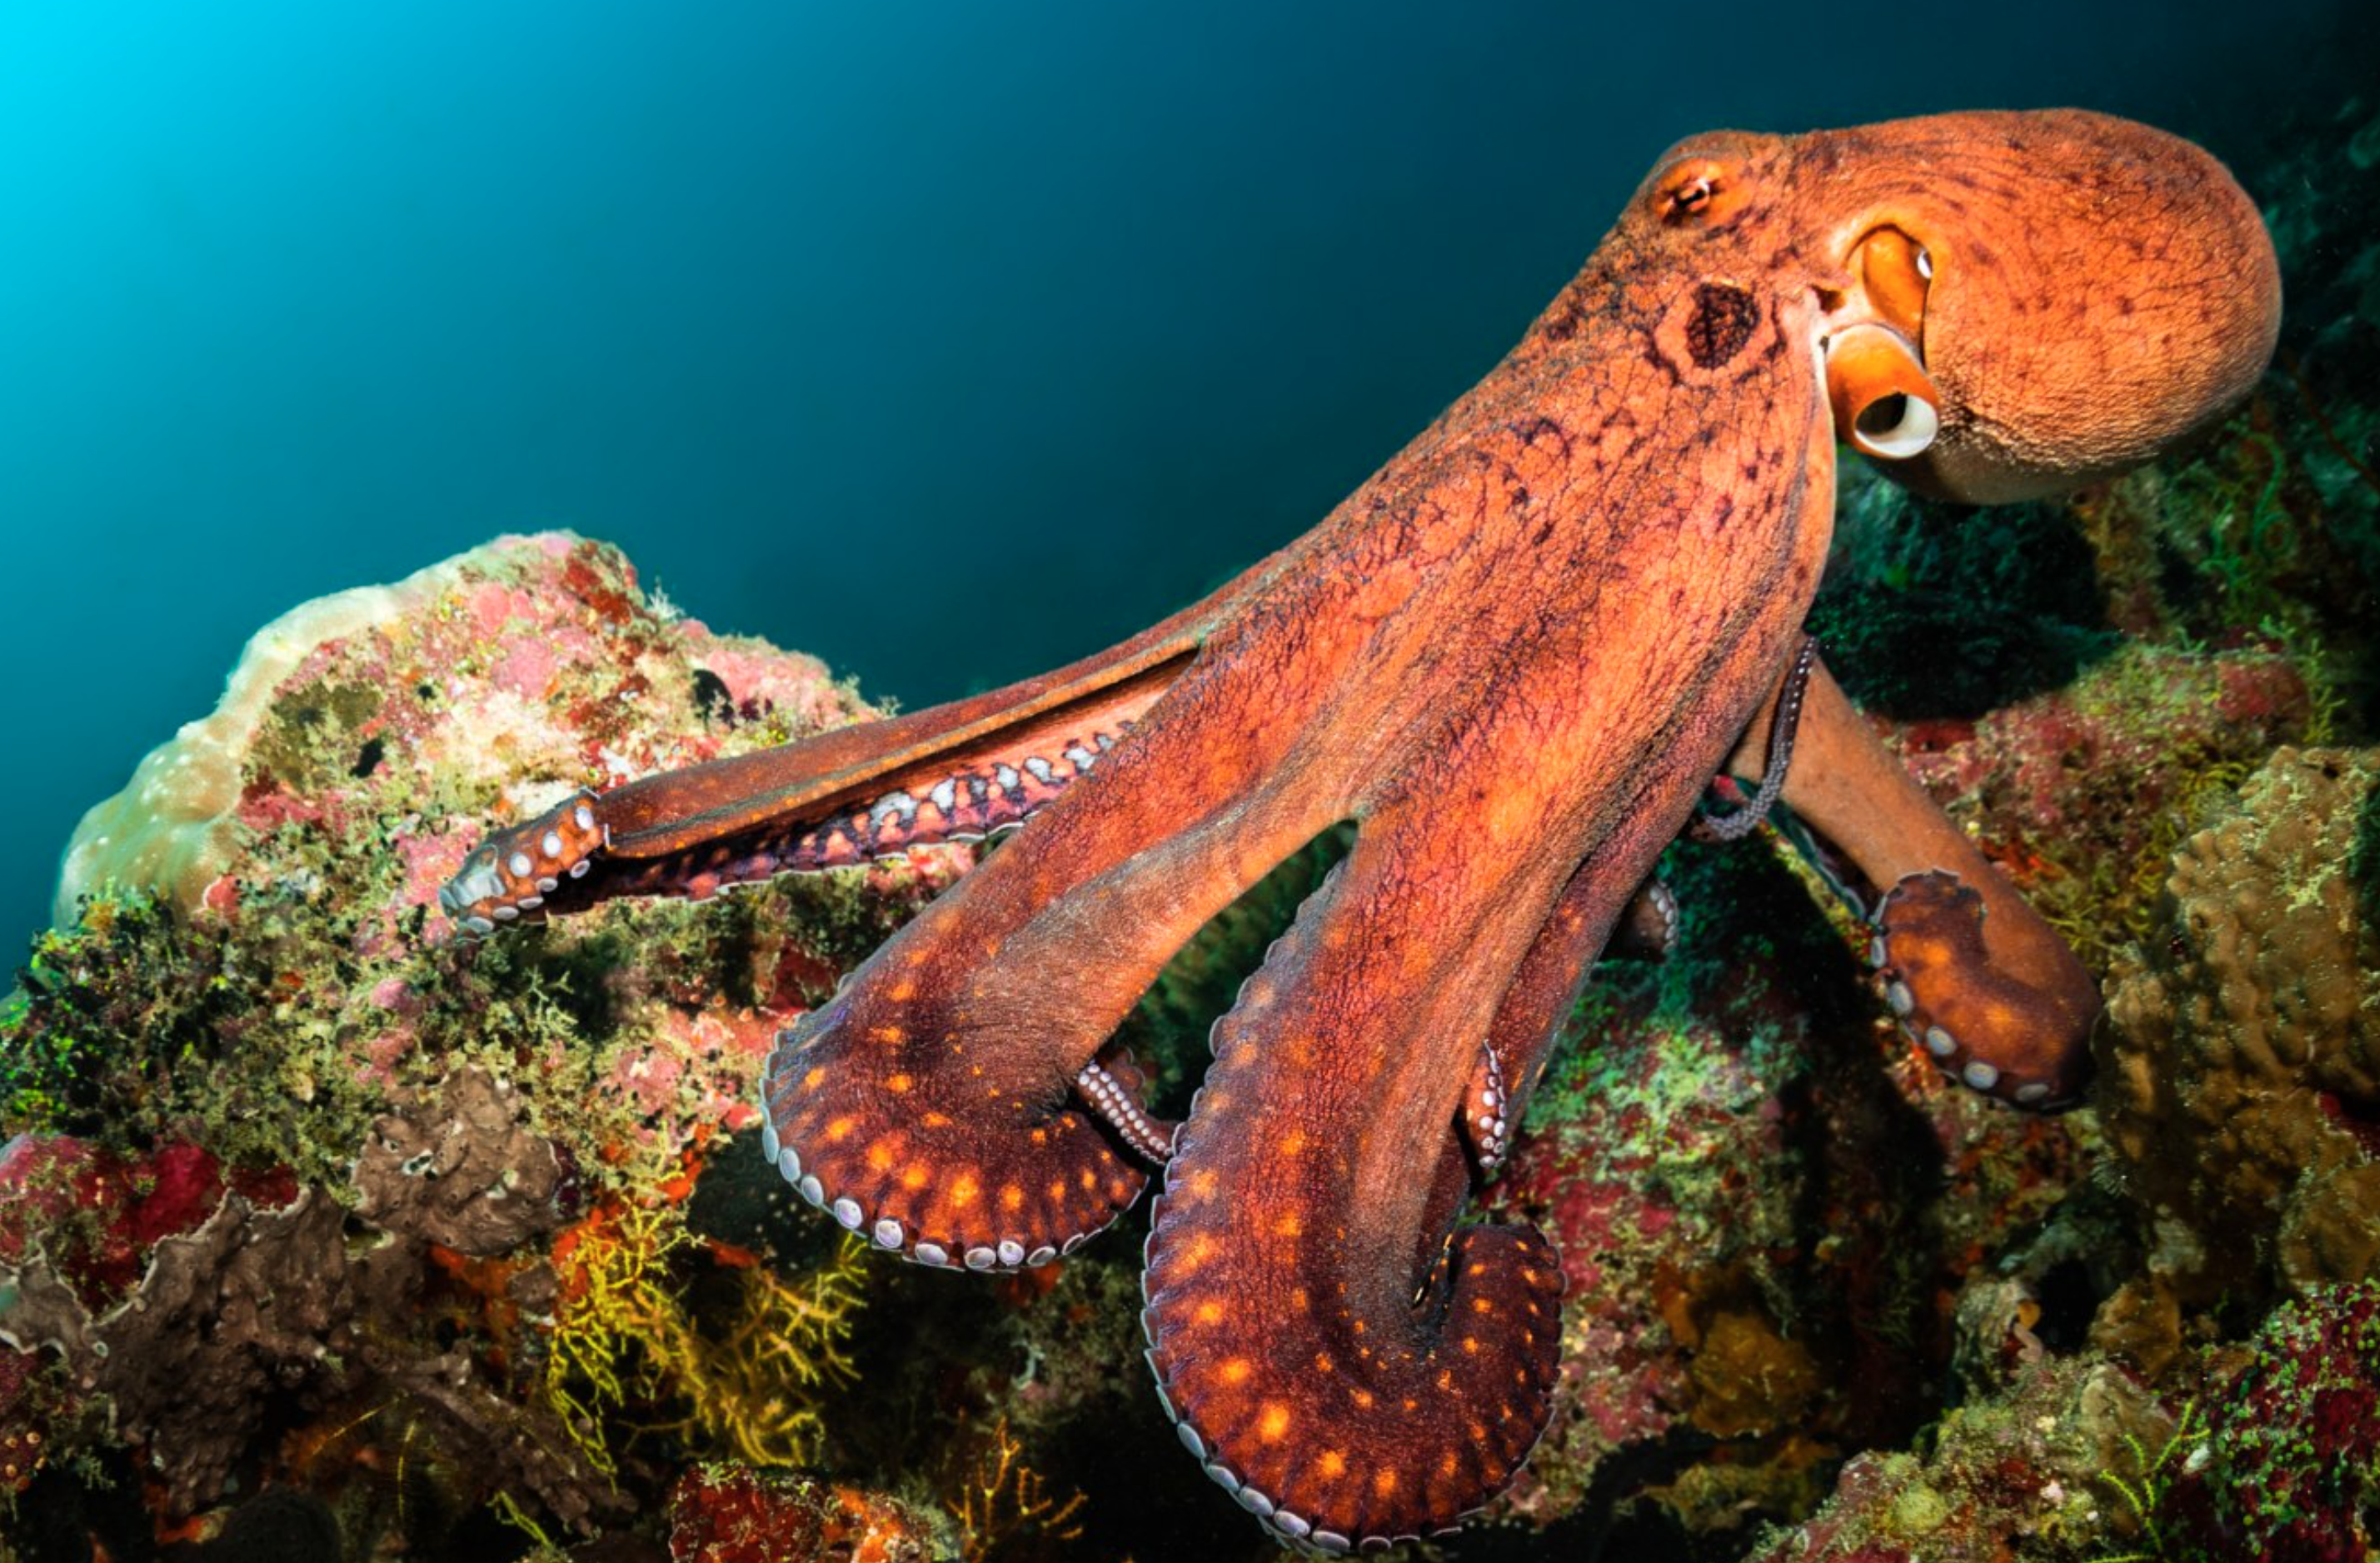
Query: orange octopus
<point>1513,660</point>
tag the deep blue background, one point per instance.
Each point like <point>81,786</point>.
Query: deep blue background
<point>949,342</point>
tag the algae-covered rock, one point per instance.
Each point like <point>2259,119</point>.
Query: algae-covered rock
<point>251,1300</point>
<point>456,1166</point>
<point>729,1515</point>
<point>260,961</point>
<point>1766,1202</point>
<point>2244,1057</point>
<point>301,1184</point>
<point>515,671</point>
<point>183,1307</point>
<point>2287,1462</point>
<point>2076,793</point>
<point>2037,1473</point>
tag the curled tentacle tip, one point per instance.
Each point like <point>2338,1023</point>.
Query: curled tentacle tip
<point>867,1130</point>
<point>2016,1030</point>
<point>507,877</point>
<point>1301,1421</point>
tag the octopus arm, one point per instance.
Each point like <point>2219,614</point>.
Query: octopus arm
<point>1526,1025</point>
<point>1347,1389</point>
<point>960,1101</point>
<point>1973,974</point>
<point>953,772</point>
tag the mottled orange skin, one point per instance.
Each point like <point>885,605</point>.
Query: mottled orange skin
<point>1513,658</point>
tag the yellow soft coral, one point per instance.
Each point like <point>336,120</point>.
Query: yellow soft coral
<point>621,1336</point>
<point>1004,1507</point>
<point>754,1391</point>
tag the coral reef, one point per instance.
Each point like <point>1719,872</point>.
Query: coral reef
<point>2266,1449</point>
<point>303,1192</point>
<point>198,1310</point>
<point>1765,1203</point>
<point>733,1516</point>
<point>251,1301</point>
<point>1776,1249</point>
<point>320,700</point>
<point>321,1228</point>
<point>2079,793</point>
<point>309,986</point>
<point>456,1165</point>
<point>2244,1065</point>
<point>2035,1472</point>
<point>2287,1466</point>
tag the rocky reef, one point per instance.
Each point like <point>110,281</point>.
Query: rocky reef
<point>2244,1096</point>
<point>328,1232</point>
<point>306,1197</point>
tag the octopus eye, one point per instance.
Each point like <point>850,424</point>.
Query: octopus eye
<point>1883,401</point>
<point>1701,190</point>
<point>1895,271</point>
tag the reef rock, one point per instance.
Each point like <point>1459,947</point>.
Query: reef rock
<point>457,1168</point>
<point>2244,1060</point>
<point>260,964</point>
<point>2039,1473</point>
<point>736,1516</point>
<point>2284,1460</point>
<point>302,1184</point>
<point>250,1301</point>
<point>527,666</point>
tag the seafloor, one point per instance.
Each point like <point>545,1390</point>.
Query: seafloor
<point>328,1236</point>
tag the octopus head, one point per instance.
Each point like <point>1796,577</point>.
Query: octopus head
<point>2006,305</point>
<point>2020,304</point>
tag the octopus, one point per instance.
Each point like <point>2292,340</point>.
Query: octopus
<point>1514,663</point>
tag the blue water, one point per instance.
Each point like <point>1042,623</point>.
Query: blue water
<point>947,341</point>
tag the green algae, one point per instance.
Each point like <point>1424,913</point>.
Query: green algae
<point>1919,1512</point>
<point>2363,857</point>
<point>315,736</point>
<point>2291,1453</point>
<point>109,1019</point>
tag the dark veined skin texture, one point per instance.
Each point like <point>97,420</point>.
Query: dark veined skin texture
<point>1514,659</point>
